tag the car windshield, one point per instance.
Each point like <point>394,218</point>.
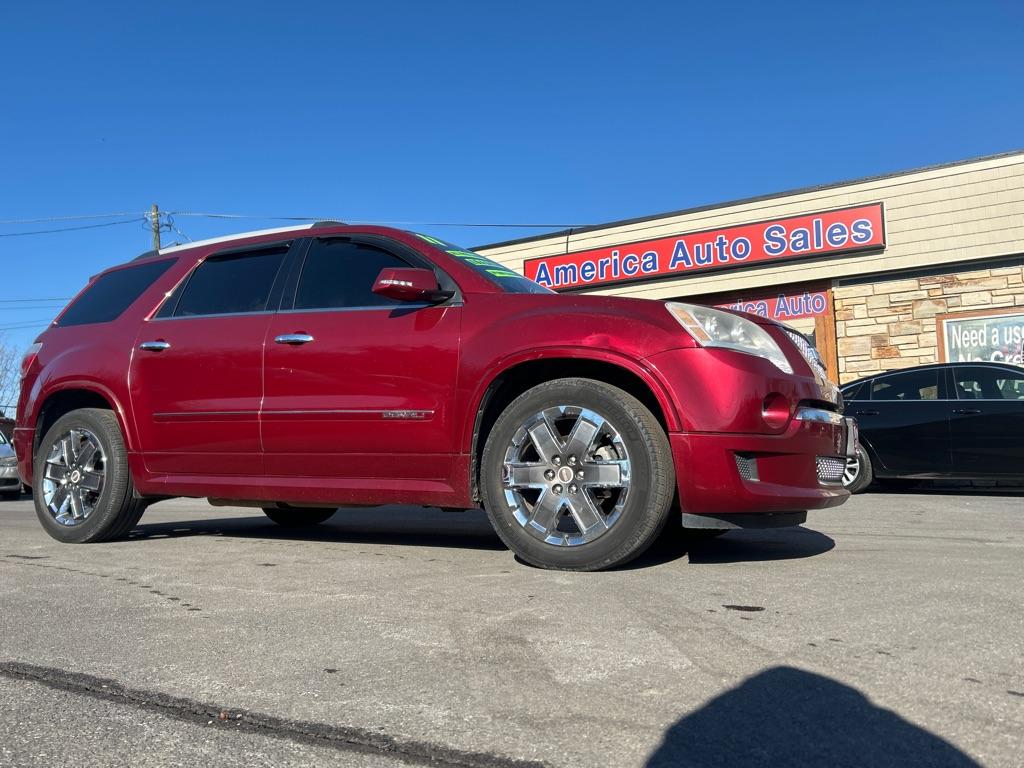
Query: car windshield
<point>502,276</point>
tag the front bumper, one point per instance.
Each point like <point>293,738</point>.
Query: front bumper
<point>9,478</point>
<point>734,474</point>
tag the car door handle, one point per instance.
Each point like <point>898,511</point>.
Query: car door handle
<point>293,338</point>
<point>865,413</point>
<point>966,410</point>
<point>154,346</point>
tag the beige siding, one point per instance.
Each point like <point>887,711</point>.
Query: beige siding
<point>960,213</point>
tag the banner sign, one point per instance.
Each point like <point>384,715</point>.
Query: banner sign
<point>784,307</point>
<point>987,339</point>
<point>826,233</point>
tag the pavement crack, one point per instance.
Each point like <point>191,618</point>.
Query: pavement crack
<point>345,738</point>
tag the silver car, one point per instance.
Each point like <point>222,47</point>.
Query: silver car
<point>10,482</point>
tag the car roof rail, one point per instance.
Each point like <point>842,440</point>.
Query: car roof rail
<point>327,223</point>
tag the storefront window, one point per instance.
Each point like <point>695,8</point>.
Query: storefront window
<point>986,338</point>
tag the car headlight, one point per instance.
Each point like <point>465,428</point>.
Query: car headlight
<point>714,328</point>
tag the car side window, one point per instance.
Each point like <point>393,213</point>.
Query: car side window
<point>984,383</point>
<point>339,274</point>
<point>909,386</point>
<point>856,392</point>
<point>230,284</point>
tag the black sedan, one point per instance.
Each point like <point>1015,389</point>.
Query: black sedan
<point>951,420</point>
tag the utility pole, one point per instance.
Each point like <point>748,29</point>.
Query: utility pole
<point>154,220</point>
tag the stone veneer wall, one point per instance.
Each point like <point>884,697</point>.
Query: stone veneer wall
<point>891,324</point>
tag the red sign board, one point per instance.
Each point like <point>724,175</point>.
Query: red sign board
<point>815,234</point>
<point>791,306</point>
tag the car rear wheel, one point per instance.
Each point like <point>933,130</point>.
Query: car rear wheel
<point>299,517</point>
<point>577,475</point>
<point>82,487</point>
<point>858,473</point>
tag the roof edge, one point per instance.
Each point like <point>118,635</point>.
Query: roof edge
<point>228,238</point>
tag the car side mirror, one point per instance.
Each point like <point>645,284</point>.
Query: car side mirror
<point>409,284</point>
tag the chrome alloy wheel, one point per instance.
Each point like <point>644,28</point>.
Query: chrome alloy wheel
<point>852,470</point>
<point>73,476</point>
<point>566,475</point>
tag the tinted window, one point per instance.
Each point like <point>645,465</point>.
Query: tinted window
<point>983,383</point>
<point>912,385</point>
<point>111,294</point>
<point>855,392</point>
<point>231,284</point>
<point>338,274</point>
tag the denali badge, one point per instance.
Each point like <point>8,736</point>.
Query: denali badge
<point>405,414</point>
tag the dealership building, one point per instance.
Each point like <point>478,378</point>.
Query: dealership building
<point>884,272</point>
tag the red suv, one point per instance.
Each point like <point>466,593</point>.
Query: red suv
<point>304,369</point>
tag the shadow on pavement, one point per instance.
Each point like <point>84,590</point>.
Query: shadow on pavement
<point>736,547</point>
<point>786,716</point>
<point>941,490</point>
<point>407,526</point>
<point>427,527</point>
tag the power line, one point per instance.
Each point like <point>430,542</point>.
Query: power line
<point>69,229</point>
<point>210,215</point>
<point>24,301</point>
<point>77,217</point>
<point>27,324</point>
<point>149,217</point>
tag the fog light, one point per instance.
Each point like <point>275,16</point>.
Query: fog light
<point>775,410</point>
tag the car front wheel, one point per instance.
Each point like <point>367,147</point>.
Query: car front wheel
<point>577,475</point>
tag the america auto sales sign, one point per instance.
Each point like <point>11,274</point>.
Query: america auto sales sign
<point>827,233</point>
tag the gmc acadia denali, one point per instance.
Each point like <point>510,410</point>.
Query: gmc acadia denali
<point>304,369</point>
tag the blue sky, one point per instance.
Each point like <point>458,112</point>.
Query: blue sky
<point>564,113</point>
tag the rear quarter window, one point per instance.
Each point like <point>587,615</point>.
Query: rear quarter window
<point>112,293</point>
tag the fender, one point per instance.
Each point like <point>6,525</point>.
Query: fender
<point>96,388</point>
<point>573,352</point>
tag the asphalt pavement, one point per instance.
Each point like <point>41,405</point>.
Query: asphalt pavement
<point>889,631</point>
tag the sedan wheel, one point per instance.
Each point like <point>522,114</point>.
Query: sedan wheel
<point>858,473</point>
<point>852,471</point>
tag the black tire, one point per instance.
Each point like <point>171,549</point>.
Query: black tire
<point>10,495</point>
<point>299,517</point>
<point>865,473</point>
<point>116,509</point>
<point>644,509</point>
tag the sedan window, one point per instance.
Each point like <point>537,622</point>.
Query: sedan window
<point>912,385</point>
<point>984,383</point>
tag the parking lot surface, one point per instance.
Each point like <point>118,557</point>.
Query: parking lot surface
<point>887,632</point>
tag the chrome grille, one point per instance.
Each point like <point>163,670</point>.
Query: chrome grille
<point>747,466</point>
<point>830,469</point>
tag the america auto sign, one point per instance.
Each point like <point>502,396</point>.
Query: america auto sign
<point>827,233</point>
